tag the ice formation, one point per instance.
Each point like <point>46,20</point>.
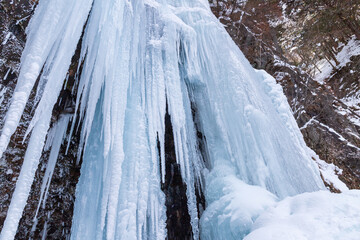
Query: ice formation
<point>141,58</point>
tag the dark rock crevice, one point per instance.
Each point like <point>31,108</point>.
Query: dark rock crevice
<point>178,219</point>
<point>201,144</point>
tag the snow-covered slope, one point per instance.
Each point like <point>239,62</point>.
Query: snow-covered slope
<point>325,68</point>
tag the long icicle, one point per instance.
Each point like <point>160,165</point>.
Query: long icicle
<point>58,57</point>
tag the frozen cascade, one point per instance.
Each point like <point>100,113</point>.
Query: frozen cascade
<point>141,57</point>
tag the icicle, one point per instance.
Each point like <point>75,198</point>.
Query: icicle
<point>122,97</point>
<point>2,93</point>
<point>54,139</point>
<point>43,44</point>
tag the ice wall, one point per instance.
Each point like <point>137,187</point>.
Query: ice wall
<point>140,56</point>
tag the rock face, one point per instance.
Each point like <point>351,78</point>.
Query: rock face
<point>14,19</point>
<point>328,114</point>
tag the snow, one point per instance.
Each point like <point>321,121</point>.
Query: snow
<point>141,59</point>
<point>330,174</point>
<point>319,215</point>
<point>352,48</point>
<point>242,211</point>
<point>340,137</point>
<point>231,214</point>
<point>353,110</point>
<point>330,129</point>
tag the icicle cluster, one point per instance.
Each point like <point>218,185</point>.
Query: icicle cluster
<point>139,58</point>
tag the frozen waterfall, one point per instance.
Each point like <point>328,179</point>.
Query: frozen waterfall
<point>142,59</point>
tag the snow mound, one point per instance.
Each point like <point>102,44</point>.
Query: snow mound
<point>231,215</point>
<point>319,215</point>
<point>251,213</point>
